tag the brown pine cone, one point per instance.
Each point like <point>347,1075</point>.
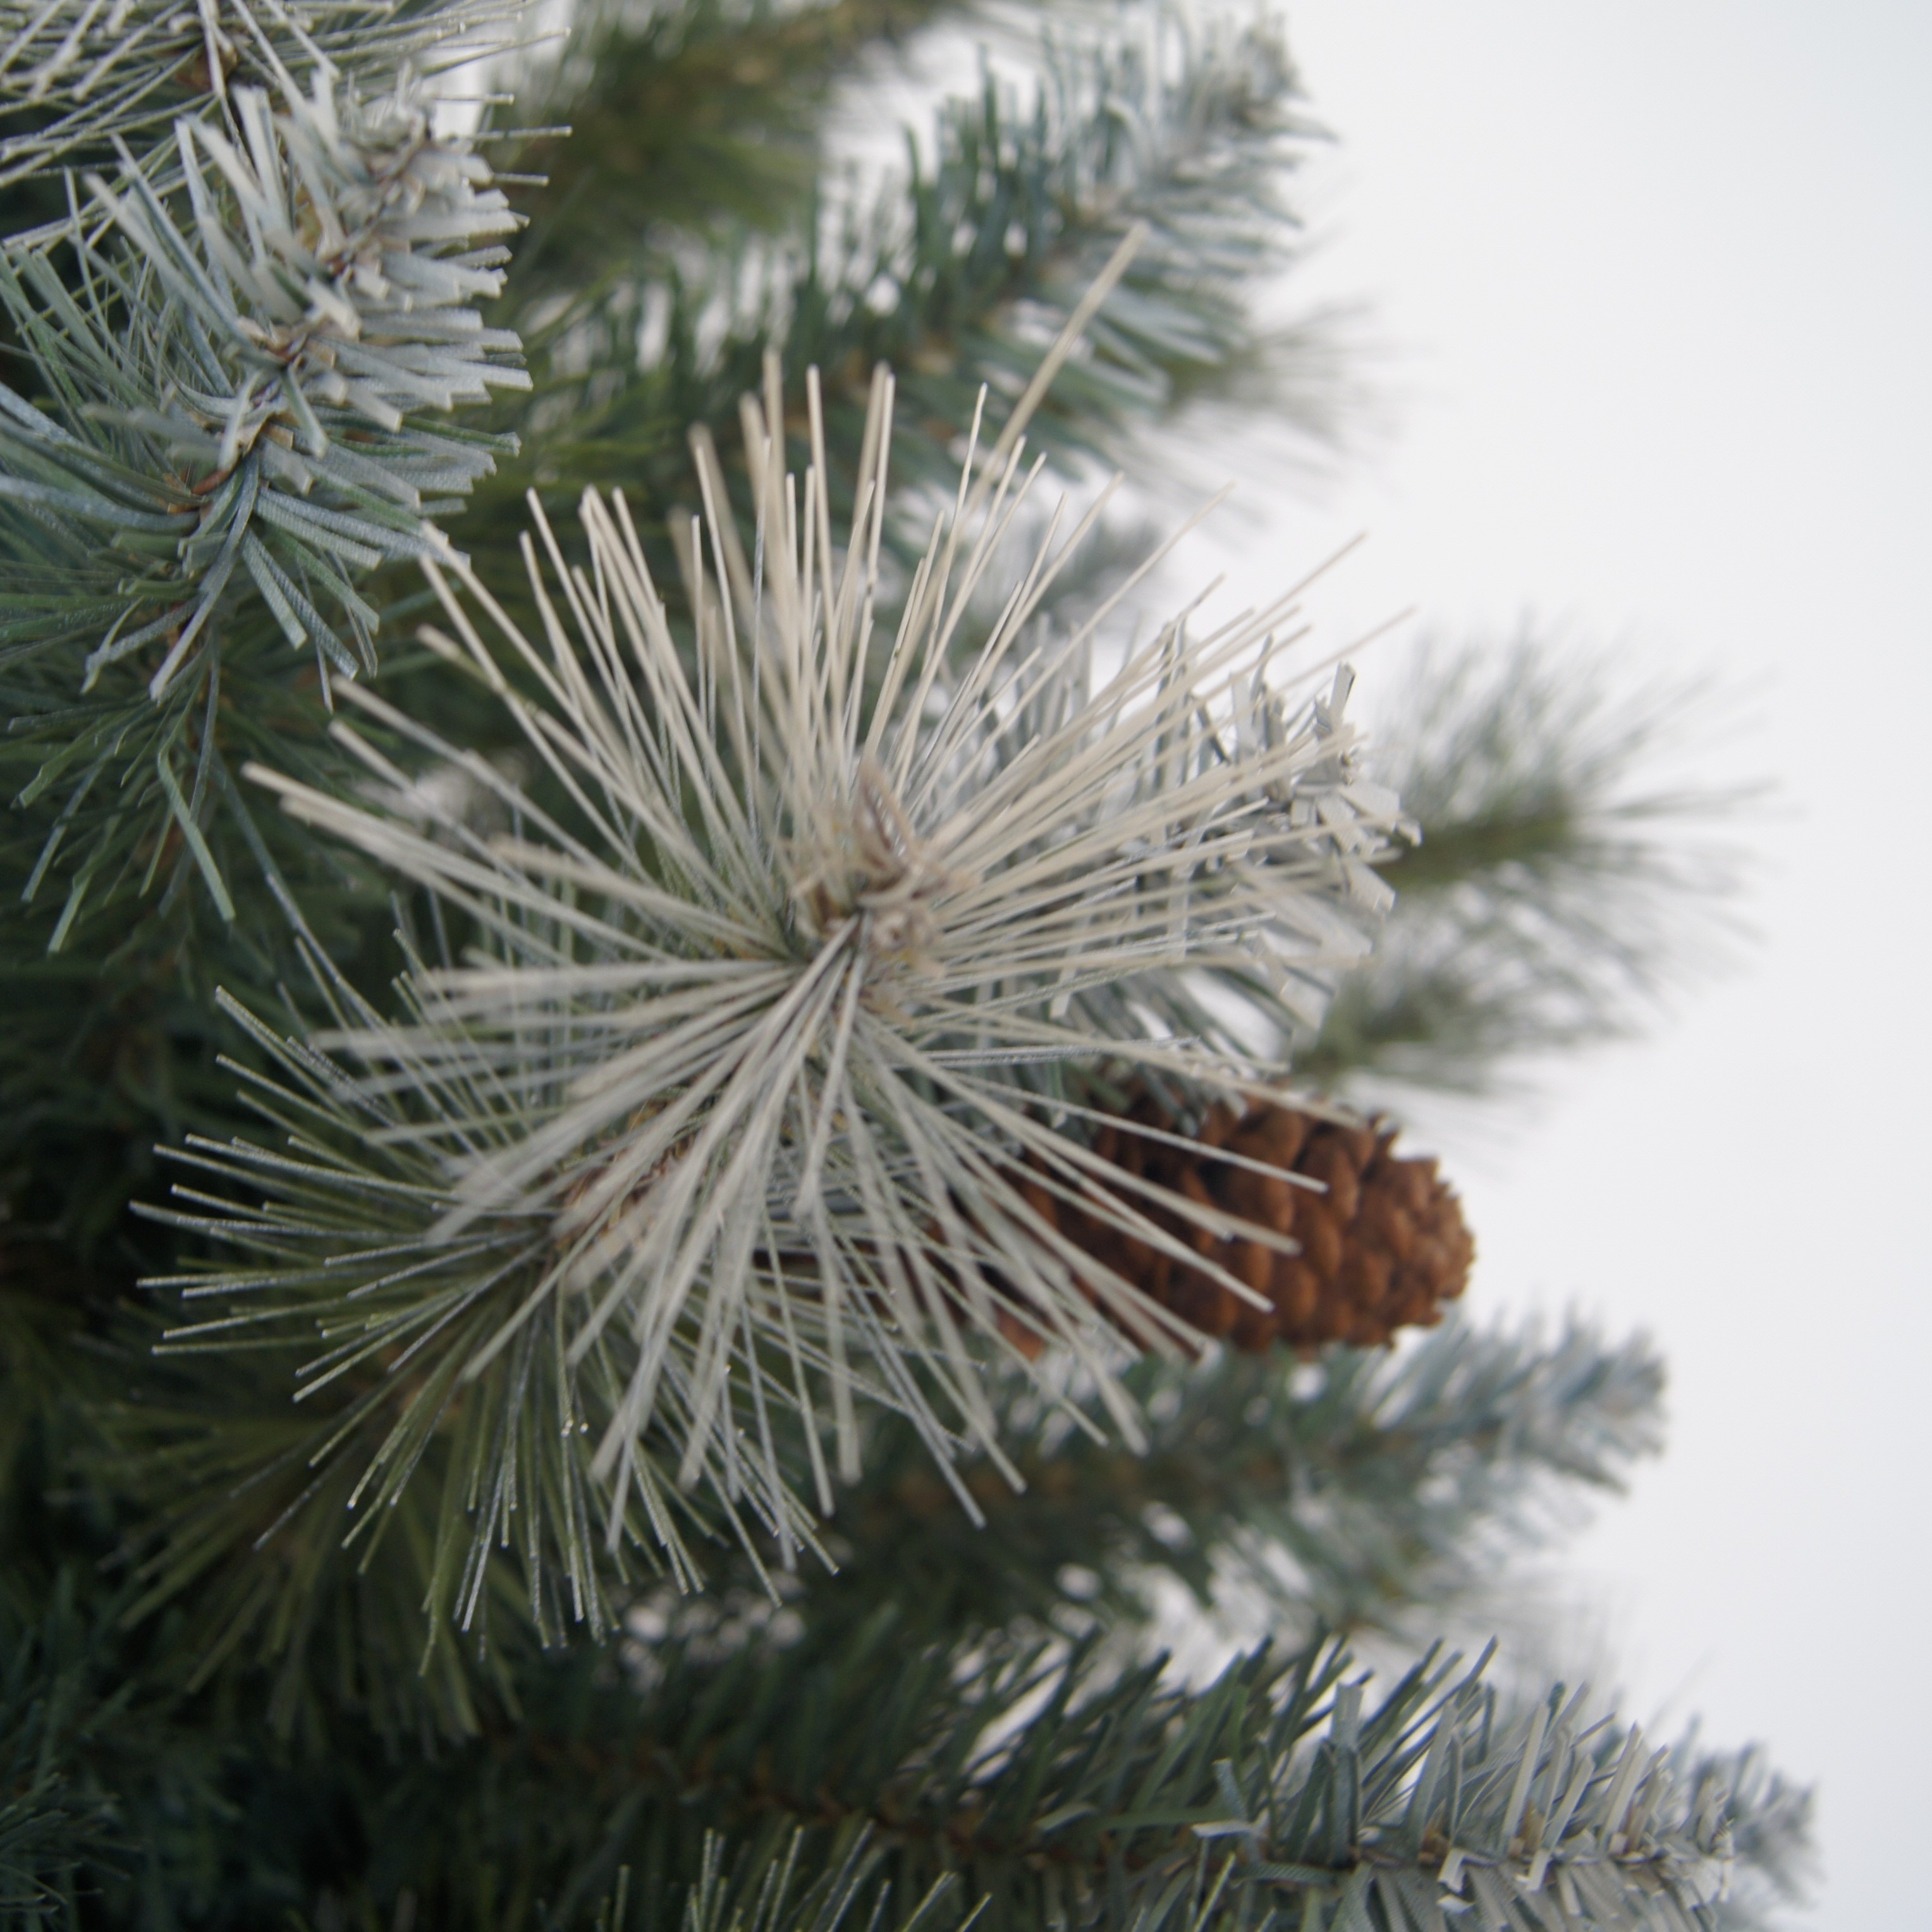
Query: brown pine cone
<point>1383,1243</point>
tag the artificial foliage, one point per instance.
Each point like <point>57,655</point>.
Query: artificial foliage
<point>957,270</point>
<point>677,1151</point>
<point>272,405</point>
<point>1576,870</point>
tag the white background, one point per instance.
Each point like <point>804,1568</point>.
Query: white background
<point>1652,289</point>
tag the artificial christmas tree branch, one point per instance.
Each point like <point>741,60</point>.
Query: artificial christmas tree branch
<point>1281,1791</point>
<point>1365,1489</point>
<point>1372,1492</point>
<point>264,410</point>
<point>686,117</point>
<point>237,348</point>
<point>1558,889</point>
<point>959,276</point>
<point>77,79</point>
<point>1279,1794</point>
<point>1024,1780</point>
<point>795,952</point>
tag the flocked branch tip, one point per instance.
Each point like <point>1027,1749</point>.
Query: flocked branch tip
<point>741,1105</point>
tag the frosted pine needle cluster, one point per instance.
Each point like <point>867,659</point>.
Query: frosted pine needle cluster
<point>778,985</point>
<point>75,75</point>
<point>257,368</point>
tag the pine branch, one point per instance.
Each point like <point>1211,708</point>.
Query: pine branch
<point>1558,889</point>
<point>1039,1790</point>
<point>58,1826</point>
<point>245,347</point>
<point>1362,1489</point>
<point>1366,1492</point>
<point>685,118</point>
<point>76,79</point>
<point>583,1226</point>
<point>1281,1794</point>
<point>958,276</point>
<point>713,1765</point>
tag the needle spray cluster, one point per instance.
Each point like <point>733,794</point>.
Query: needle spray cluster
<point>734,1113</point>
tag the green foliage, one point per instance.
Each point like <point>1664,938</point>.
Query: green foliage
<point>1037,1788</point>
<point>961,274</point>
<point>77,81</point>
<point>1032,1783</point>
<point>114,1039</point>
<point>237,349</point>
<point>1361,1492</point>
<point>263,411</point>
<point>685,117</point>
<point>56,1826</point>
<point>364,1659</point>
<point>1360,1489</point>
<point>1558,887</point>
<point>263,407</point>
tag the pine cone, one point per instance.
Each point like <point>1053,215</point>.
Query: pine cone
<point>1382,1249</point>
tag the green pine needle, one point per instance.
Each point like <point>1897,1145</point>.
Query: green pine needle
<point>1562,884</point>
